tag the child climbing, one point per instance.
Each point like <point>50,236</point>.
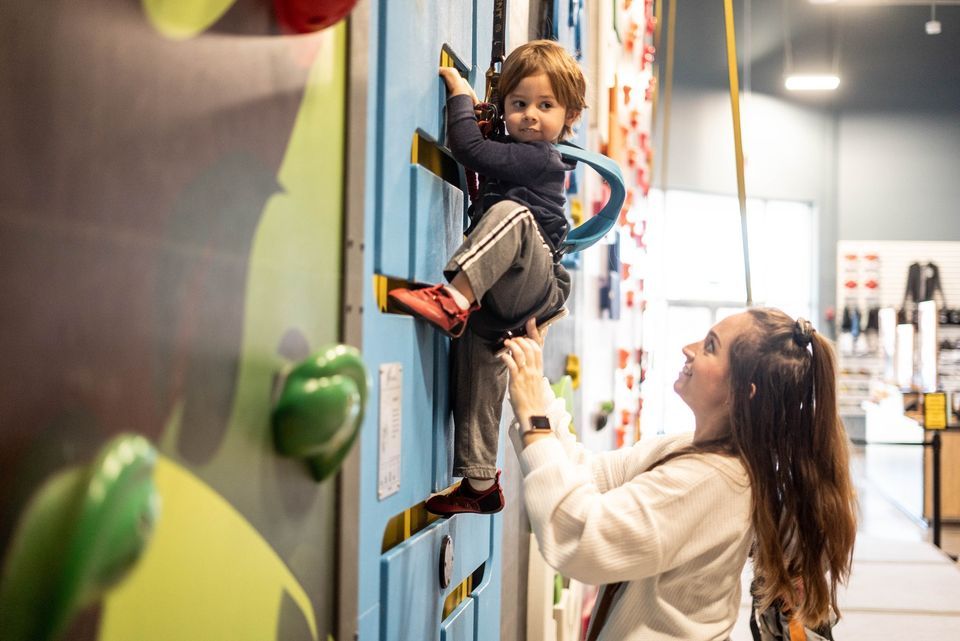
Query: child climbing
<point>508,268</point>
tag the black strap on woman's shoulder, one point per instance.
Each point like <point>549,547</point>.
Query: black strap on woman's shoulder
<point>607,595</point>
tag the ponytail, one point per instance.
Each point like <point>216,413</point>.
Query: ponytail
<point>794,446</point>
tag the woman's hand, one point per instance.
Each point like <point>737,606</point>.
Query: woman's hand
<point>457,85</point>
<point>525,364</point>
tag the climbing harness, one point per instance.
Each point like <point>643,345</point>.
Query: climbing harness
<point>595,228</point>
<point>491,123</point>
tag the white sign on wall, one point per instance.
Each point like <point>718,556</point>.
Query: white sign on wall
<point>391,392</point>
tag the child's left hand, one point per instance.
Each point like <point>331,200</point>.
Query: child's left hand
<point>457,85</point>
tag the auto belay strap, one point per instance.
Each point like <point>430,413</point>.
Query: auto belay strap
<point>488,111</point>
<point>497,49</point>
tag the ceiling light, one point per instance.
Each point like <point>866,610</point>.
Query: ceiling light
<point>829,80</point>
<point>933,25</point>
<point>810,82</point>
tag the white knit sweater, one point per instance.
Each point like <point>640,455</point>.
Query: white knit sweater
<point>678,534</point>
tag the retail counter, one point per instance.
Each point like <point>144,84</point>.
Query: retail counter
<point>903,471</point>
<point>896,470</point>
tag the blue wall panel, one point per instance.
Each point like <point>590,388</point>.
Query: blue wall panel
<point>411,596</point>
<point>414,222</point>
<point>459,626</point>
<point>436,224</point>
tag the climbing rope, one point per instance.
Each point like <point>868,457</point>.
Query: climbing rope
<point>737,139</point>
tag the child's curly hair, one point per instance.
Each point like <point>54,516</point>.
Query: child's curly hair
<point>546,56</point>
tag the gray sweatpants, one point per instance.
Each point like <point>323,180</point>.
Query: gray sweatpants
<point>511,270</point>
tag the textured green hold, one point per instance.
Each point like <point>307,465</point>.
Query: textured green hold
<point>320,410</point>
<point>81,533</point>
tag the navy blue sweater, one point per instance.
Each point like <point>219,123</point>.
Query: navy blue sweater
<point>528,173</point>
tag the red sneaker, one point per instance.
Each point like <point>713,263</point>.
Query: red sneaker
<point>434,305</point>
<point>464,499</point>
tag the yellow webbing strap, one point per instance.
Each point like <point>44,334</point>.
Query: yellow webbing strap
<point>797,632</point>
<point>737,138</point>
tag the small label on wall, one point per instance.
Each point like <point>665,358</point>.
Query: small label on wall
<point>391,393</point>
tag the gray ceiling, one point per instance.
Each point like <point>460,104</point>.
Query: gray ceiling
<point>886,59</point>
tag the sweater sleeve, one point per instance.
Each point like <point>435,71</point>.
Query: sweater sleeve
<point>560,419</point>
<point>520,163</point>
<point>646,526</point>
<point>609,468</point>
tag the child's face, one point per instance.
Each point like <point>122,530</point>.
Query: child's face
<point>533,113</point>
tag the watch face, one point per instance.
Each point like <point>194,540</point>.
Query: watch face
<point>540,422</point>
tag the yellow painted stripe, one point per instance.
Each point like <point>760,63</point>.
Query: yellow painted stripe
<point>380,291</point>
<point>404,525</point>
<point>428,154</point>
<point>459,594</point>
<point>737,137</point>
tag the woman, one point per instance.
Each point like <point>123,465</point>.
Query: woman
<point>666,525</point>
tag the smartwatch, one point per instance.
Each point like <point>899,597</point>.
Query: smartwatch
<point>539,425</point>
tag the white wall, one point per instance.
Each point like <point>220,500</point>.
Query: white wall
<point>899,176</point>
<point>790,154</point>
<point>870,176</point>
<point>788,150</point>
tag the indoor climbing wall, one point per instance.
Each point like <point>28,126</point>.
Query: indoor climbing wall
<point>418,577</point>
<point>626,32</point>
<point>171,206</point>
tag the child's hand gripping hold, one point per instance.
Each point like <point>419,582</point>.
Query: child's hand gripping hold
<point>457,85</point>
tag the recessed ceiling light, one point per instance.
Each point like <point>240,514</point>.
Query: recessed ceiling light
<point>812,82</point>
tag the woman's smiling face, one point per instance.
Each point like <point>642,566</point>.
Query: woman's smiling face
<point>704,380</point>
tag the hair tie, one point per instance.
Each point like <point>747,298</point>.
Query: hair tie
<point>803,332</point>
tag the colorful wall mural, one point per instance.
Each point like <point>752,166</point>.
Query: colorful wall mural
<point>170,221</point>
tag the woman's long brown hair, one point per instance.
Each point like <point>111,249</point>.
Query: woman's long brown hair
<point>789,436</point>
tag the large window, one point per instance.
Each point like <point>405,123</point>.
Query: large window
<point>696,278</point>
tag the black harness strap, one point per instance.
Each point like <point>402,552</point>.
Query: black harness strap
<point>488,111</point>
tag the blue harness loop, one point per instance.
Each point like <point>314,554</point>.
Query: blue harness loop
<point>595,228</point>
